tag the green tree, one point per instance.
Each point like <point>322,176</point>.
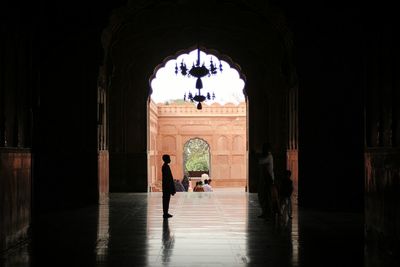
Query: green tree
<point>196,155</point>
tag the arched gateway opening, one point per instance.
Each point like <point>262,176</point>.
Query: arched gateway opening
<point>210,140</point>
<point>196,160</point>
<point>125,162</point>
<point>196,156</point>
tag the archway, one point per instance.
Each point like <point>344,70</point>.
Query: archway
<point>196,156</point>
<point>131,54</point>
<point>221,123</point>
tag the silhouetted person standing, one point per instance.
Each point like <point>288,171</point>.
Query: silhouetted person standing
<point>265,181</point>
<point>179,186</point>
<point>168,186</point>
<point>185,182</point>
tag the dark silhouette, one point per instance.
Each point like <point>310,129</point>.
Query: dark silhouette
<point>168,186</point>
<point>198,187</point>
<point>168,241</point>
<point>285,193</point>
<point>185,182</point>
<point>178,186</point>
<point>265,181</point>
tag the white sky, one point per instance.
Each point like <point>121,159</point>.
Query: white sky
<point>227,86</point>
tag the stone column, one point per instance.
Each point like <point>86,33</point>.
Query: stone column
<point>229,148</point>
<point>19,93</point>
<point>395,105</point>
<point>179,156</point>
<point>3,141</point>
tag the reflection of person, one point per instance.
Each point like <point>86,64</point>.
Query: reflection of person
<point>168,241</point>
<point>168,186</point>
<point>265,181</point>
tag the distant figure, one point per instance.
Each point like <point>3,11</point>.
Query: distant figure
<point>204,176</point>
<point>265,181</point>
<point>286,190</point>
<point>207,187</point>
<point>198,187</point>
<point>178,186</point>
<point>185,182</point>
<point>168,186</point>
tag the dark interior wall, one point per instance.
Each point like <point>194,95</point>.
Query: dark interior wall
<point>347,67</point>
<point>15,195</point>
<point>382,122</point>
<point>328,52</point>
<point>65,171</point>
<point>17,74</point>
<point>69,53</point>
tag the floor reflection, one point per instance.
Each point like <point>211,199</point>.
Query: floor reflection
<point>167,242</point>
<point>65,238</point>
<point>294,232</point>
<point>19,256</point>
<point>208,229</point>
<point>128,240</point>
<point>271,242</point>
<point>330,238</point>
<point>103,234</point>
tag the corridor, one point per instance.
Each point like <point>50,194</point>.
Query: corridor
<point>208,229</point>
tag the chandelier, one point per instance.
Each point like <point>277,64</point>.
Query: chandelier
<point>198,71</point>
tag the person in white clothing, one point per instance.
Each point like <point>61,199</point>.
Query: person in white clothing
<point>265,181</point>
<point>207,187</point>
<point>268,161</point>
<point>204,176</point>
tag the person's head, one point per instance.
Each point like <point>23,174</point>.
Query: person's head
<point>166,158</point>
<point>266,148</point>
<point>288,174</point>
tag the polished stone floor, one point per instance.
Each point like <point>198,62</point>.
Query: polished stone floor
<point>208,229</point>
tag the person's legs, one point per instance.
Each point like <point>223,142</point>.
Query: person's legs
<point>268,203</point>
<point>166,199</point>
<point>262,197</point>
<point>282,205</point>
<point>262,201</point>
<point>287,207</point>
<point>274,200</point>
